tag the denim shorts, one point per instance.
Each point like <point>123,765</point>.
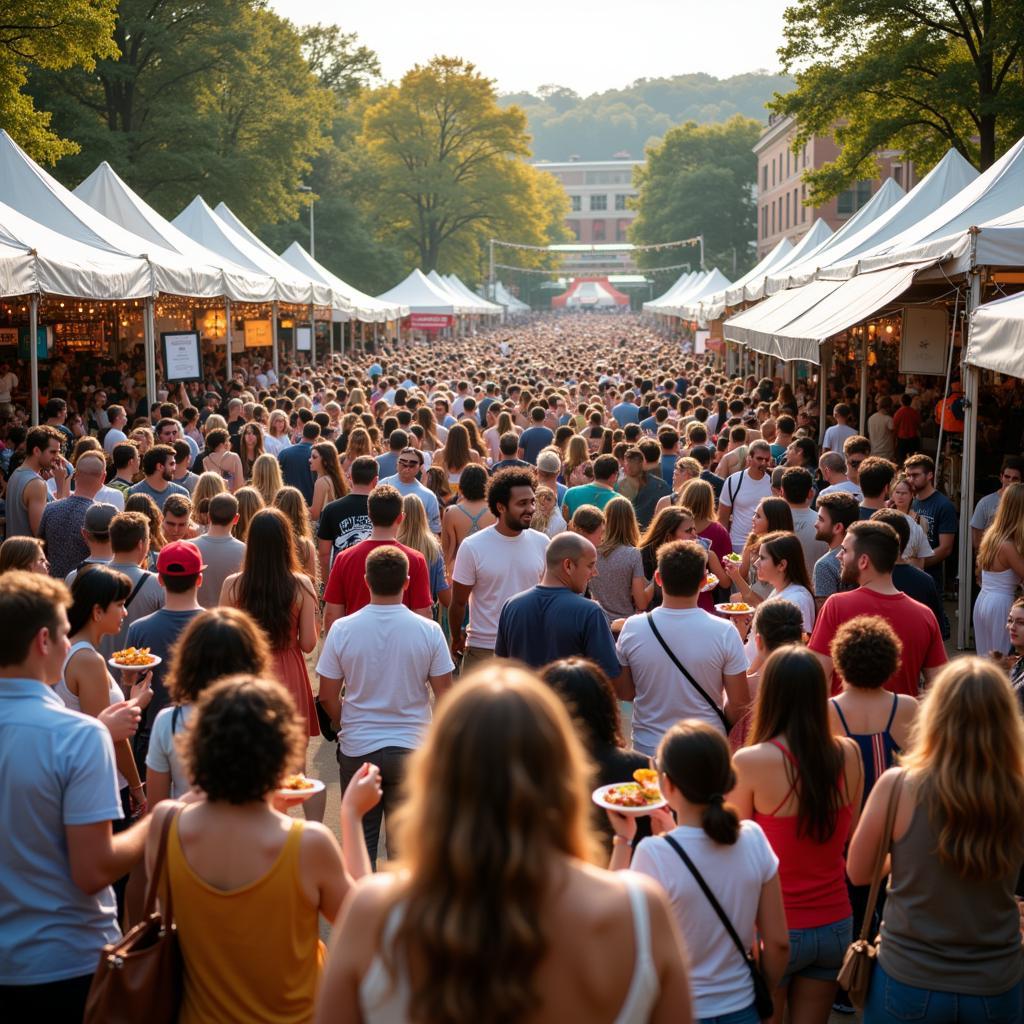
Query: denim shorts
<point>891,1002</point>
<point>818,952</point>
<point>747,1016</point>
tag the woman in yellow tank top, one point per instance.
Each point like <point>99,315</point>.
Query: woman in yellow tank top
<point>249,882</point>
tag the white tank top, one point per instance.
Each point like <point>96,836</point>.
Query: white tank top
<point>385,1000</point>
<point>71,699</point>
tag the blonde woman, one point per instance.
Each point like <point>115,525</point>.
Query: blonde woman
<point>548,518</point>
<point>950,938</point>
<point>414,532</point>
<point>619,586</point>
<point>359,443</point>
<point>277,439</point>
<point>291,502</point>
<point>1001,561</point>
<point>249,503</point>
<point>492,435</point>
<point>498,904</point>
<point>207,486</point>
<point>577,455</point>
<point>266,477</point>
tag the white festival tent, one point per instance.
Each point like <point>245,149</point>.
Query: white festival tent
<point>674,290</point>
<point>996,340</point>
<point>511,302</point>
<point>817,235</point>
<point>320,294</point>
<point>715,305</point>
<point>105,192</point>
<point>456,284</point>
<point>464,306</point>
<point>421,296</point>
<point>361,306</point>
<point>801,272</point>
<point>714,282</point>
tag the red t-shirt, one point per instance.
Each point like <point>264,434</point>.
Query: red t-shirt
<point>913,622</point>
<point>347,584</point>
<point>907,422</point>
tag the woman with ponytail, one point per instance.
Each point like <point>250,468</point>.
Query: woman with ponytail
<point>735,861</point>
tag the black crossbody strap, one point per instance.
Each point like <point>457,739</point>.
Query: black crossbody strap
<point>715,905</point>
<point>138,586</point>
<point>682,668</point>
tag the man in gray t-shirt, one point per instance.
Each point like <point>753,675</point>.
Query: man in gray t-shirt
<point>159,464</point>
<point>1012,472</point>
<point>222,553</point>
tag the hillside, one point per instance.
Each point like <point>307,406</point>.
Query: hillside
<point>602,125</point>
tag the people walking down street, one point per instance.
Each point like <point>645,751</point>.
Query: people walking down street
<point>619,585</point>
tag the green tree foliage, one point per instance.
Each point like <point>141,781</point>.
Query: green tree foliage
<point>917,76</point>
<point>213,97</point>
<point>602,125</point>
<point>54,34</point>
<point>700,180</point>
<point>450,167</point>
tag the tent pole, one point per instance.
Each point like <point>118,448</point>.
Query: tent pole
<point>864,384</point>
<point>375,336</point>
<point>227,335</point>
<point>825,353</point>
<point>312,336</point>
<point>274,353</point>
<point>330,333</point>
<point>149,346</point>
<point>398,331</point>
<point>33,349</point>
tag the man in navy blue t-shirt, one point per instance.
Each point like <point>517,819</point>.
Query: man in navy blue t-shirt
<point>535,438</point>
<point>553,620</point>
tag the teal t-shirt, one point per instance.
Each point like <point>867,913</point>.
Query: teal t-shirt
<point>586,494</point>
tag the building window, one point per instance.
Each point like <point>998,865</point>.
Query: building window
<point>787,209</point>
<point>803,209</point>
<point>897,173</point>
<point>805,155</point>
<point>599,202</point>
<point>773,172</point>
<point>599,230</point>
<point>764,178</point>
<point>787,161</point>
<point>773,216</point>
<point>577,203</point>
<point>764,221</point>
<point>620,201</point>
<point>850,200</point>
<point>622,231</point>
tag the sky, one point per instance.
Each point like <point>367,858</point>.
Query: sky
<point>586,45</point>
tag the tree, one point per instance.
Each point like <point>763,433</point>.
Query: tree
<point>450,165</point>
<point>213,97</point>
<point>699,181</point>
<point>917,76</point>
<point>54,34</point>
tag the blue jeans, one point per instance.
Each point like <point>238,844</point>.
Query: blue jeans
<point>747,1016</point>
<point>818,952</point>
<point>892,1000</point>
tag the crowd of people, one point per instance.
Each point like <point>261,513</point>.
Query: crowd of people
<point>496,573</point>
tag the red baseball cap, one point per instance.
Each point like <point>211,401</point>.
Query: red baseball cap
<point>179,558</point>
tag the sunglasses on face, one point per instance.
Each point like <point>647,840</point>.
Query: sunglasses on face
<point>408,463</point>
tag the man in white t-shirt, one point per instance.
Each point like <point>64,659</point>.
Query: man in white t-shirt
<point>115,435</point>
<point>495,564</point>
<point>383,715</point>
<point>832,466</point>
<point>708,647</point>
<point>840,430</point>
<point>742,492</point>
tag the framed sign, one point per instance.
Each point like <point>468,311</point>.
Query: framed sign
<point>924,343</point>
<point>257,334</point>
<point>303,339</point>
<point>700,342</point>
<point>183,358</point>
<point>430,321</point>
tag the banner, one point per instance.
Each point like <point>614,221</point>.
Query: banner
<point>430,321</point>
<point>182,356</point>
<point>924,341</point>
<point>257,334</point>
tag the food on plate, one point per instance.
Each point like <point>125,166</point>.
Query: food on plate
<point>710,581</point>
<point>733,557</point>
<point>133,656</point>
<point>647,780</point>
<point>736,606</point>
<point>631,794</point>
<point>297,782</point>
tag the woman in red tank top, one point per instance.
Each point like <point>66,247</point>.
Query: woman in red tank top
<point>803,786</point>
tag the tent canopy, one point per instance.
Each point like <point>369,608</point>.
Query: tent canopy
<point>713,283</point>
<point>463,305</point>
<point>818,233</point>
<point>590,294</point>
<point>715,305</point>
<point>511,302</point>
<point>674,290</point>
<point>105,192</point>
<point>996,340</point>
<point>421,296</point>
<point>358,305</point>
<point>489,308</point>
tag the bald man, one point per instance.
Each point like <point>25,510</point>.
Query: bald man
<point>553,620</point>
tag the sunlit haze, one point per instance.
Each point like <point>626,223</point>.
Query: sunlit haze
<point>587,47</point>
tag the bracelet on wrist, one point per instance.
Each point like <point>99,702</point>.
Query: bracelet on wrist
<point>618,840</point>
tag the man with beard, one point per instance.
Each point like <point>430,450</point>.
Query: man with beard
<point>495,564</point>
<point>836,513</point>
<point>158,465</point>
<point>869,552</point>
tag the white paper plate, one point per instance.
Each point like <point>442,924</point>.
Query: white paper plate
<point>708,588</point>
<point>722,610</point>
<point>305,794</point>
<point>155,660</point>
<point>630,812</point>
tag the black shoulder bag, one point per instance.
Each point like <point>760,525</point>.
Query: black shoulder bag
<point>763,1003</point>
<point>693,682</point>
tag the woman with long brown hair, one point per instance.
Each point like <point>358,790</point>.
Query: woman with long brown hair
<point>476,439</point>
<point>250,501</point>
<point>576,456</point>
<point>803,786</point>
<point>250,448</point>
<point>781,568</point>
<point>291,502</point>
<point>950,938</point>
<point>498,913</point>
<point>456,454</point>
<point>359,443</point>
<point>1001,561</point>
<point>275,591</point>
<point>426,419</point>
<point>329,482</point>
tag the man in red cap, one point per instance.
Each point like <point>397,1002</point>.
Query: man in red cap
<point>179,567</point>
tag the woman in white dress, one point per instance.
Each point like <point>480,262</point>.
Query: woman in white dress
<point>1001,561</point>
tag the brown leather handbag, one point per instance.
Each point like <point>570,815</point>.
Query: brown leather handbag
<point>859,962</point>
<point>139,978</point>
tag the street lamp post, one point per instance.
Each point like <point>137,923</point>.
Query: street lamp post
<point>312,225</point>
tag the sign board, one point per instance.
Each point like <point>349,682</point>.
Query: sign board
<point>924,344</point>
<point>430,321</point>
<point>257,334</point>
<point>9,337</point>
<point>303,339</point>
<point>44,342</point>
<point>183,358</point>
<point>237,340</point>
<point>700,343</point>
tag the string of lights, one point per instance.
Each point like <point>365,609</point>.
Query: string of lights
<point>600,246</point>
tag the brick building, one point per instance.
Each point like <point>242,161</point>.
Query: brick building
<point>599,191</point>
<point>781,192</point>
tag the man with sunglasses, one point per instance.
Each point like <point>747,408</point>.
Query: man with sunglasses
<point>742,493</point>
<point>406,481</point>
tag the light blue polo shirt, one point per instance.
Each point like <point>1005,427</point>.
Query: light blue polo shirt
<point>57,769</point>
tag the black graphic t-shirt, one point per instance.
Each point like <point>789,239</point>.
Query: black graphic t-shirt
<point>344,522</point>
